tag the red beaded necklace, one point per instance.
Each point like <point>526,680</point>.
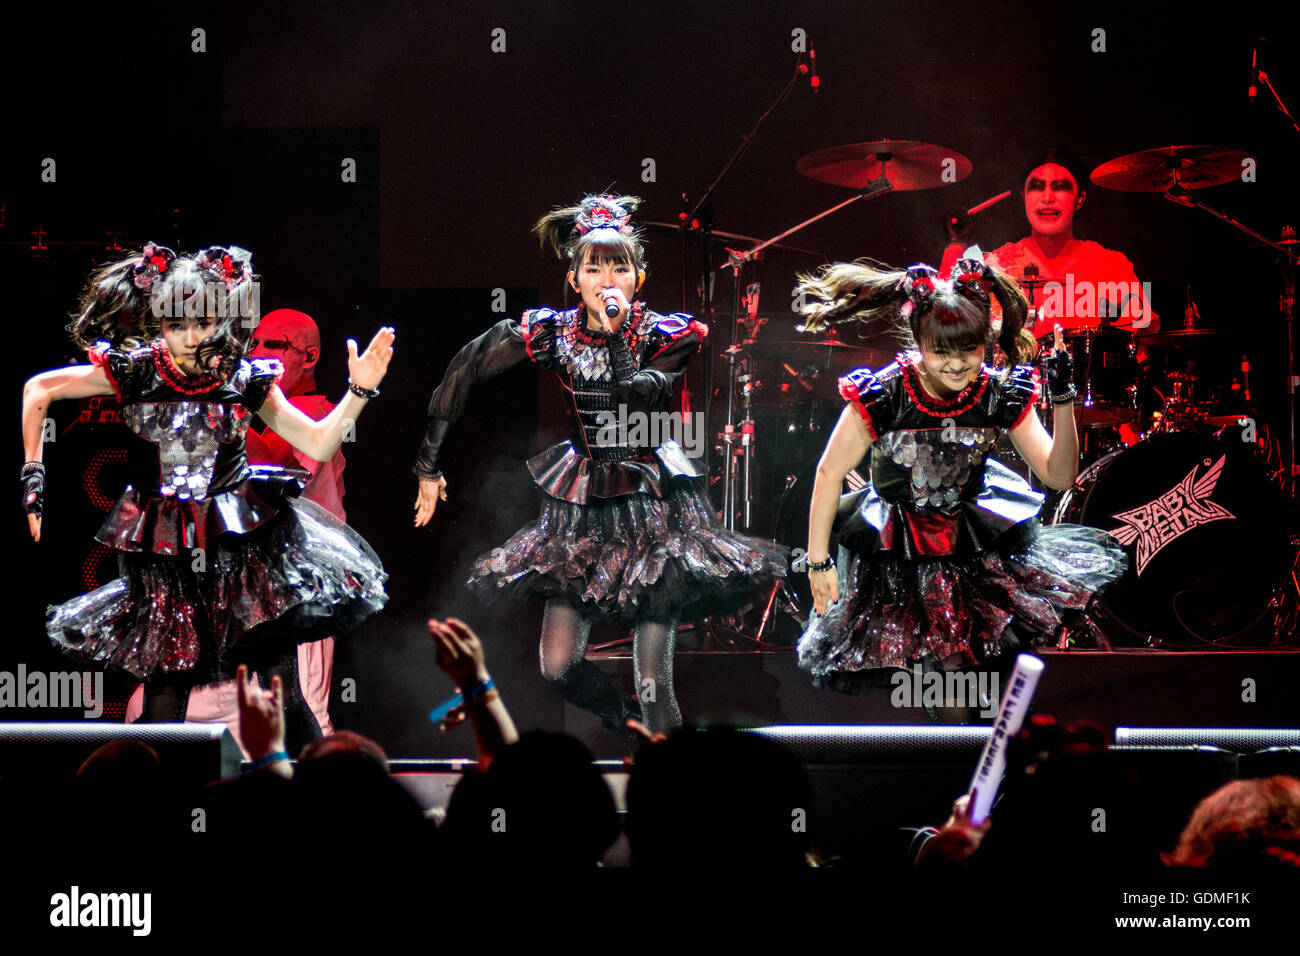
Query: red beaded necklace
<point>963,401</point>
<point>177,379</point>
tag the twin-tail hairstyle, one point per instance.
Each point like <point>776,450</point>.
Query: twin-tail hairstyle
<point>599,229</point>
<point>922,308</point>
<point>126,302</point>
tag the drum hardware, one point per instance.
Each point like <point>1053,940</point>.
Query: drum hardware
<point>1106,375</point>
<point>873,169</point>
<point>732,502</point>
<point>1030,282</point>
<point>732,236</point>
<point>1175,172</point>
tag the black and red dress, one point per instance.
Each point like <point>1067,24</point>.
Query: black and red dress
<point>944,548</point>
<point>221,562</point>
<point>626,529</point>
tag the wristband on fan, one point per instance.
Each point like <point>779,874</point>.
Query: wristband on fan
<point>268,759</point>
<point>827,565</point>
<point>463,700</point>
<point>362,392</point>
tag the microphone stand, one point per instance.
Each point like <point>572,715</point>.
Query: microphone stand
<point>699,220</point>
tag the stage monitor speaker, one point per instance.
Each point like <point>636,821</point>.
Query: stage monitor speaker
<point>879,744</point>
<point>1242,740</point>
<point>193,754</point>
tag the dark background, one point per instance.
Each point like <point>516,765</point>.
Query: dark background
<point>459,149</point>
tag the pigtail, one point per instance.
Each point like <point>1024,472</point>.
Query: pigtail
<point>1016,341</point>
<point>866,289</point>
<point>115,302</point>
<point>557,230</point>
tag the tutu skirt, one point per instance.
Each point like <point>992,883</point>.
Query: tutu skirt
<point>634,556</point>
<point>895,611</point>
<point>244,599</point>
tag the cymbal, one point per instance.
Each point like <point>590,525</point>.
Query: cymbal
<point>1185,337</point>
<point>719,234</point>
<point>1159,170</point>
<point>907,165</point>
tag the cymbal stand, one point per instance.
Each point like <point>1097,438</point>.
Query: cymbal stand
<point>1286,306</point>
<point>736,441</point>
<point>698,219</point>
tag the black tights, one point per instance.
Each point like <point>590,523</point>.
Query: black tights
<point>564,663</point>
<point>166,699</point>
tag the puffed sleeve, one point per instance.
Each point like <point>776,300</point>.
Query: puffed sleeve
<point>538,329</point>
<point>263,373</point>
<point>669,347</point>
<point>864,391</point>
<point>1020,390</point>
<point>495,351</point>
<point>120,368</point>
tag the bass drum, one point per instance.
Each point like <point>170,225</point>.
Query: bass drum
<point>1204,529</point>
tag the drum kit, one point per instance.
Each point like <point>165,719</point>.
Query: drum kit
<point>1170,442</point>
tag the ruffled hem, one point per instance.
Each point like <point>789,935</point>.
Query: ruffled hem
<point>897,611</point>
<point>248,599</point>
<point>633,556</point>
<point>143,522</point>
<point>872,524</point>
<point>561,472</point>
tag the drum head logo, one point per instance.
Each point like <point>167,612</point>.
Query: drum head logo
<point>1183,507</point>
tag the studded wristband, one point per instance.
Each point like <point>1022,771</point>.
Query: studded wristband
<point>361,392</point>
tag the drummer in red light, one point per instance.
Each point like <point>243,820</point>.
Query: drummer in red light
<point>1082,283</point>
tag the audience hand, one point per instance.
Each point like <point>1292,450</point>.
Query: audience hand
<point>459,652</point>
<point>261,714</point>
<point>959,838</point>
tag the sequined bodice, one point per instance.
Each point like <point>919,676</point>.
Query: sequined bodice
<point>191,437</point>
<point>940,462</point>
<point>586,361</point>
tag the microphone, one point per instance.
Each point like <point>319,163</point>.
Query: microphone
<point>611,305</point>
<point>815,81</point>
<point>1252,90</point>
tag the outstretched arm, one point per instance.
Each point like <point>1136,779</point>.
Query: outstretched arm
<point>501,347</point>
<point>321,439</point>
<point>75,381</point>
<point>849,442</point>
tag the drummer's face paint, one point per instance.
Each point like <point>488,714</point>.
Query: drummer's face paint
<point>594,277</point>
<point>1051,197</point>
<point>947,371</point>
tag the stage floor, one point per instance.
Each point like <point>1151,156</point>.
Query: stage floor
<point>1148,688</point>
